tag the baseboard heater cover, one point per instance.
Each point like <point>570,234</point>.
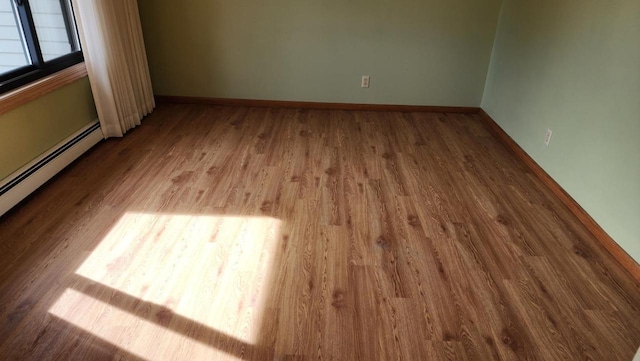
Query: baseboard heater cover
<point>27,179</point>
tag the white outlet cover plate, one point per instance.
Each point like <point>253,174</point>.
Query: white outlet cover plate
<point>365,81</point>
<point>547,137</point>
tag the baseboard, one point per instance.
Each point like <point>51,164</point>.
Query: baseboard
<point>27,179</point>
<point>616,251</point>
<point>314,105</point>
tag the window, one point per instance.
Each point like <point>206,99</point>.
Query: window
<point>37,38</point>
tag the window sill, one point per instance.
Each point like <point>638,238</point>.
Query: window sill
<point>32,91</point>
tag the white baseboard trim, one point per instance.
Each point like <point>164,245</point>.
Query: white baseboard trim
<point>27,179</point>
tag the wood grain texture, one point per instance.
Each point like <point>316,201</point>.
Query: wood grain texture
<point>611,245</point>
<point>166,99</point>
<point>32,91</point>
<point>235,233</point>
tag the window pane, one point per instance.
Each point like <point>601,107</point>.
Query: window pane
<point>13,52</point>
<point>50,19</point>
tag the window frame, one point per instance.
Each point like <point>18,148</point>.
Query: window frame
<point>40,68</point>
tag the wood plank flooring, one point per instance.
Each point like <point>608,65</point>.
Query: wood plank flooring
<point>231,233</point>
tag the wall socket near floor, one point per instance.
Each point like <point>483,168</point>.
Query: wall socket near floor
<point>547,137</point>
<point>365,81</point>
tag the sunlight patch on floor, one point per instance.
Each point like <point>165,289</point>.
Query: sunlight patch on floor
<point>160,281</point>
<point>130,333</point>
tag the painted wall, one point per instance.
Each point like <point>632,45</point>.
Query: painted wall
<point>422,52</point>
<point>574,66</point>
<point>35,127</point>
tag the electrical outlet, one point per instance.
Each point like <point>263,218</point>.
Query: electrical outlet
<point>365,81</point>
<point>547,137</point>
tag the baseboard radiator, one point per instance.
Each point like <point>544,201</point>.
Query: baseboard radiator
<point>27,179</point>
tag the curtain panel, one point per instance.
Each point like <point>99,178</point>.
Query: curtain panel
<point>114,51</point>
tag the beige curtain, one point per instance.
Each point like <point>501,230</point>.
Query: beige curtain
<point>116,61</point>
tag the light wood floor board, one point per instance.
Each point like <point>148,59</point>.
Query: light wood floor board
<point>236,233</point>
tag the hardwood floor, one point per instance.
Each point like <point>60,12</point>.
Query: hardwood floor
<point>222,233</point>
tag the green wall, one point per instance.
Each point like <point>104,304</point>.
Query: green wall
<point>574,66</point>
<point>422,52</point>
<point>35,127</point>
